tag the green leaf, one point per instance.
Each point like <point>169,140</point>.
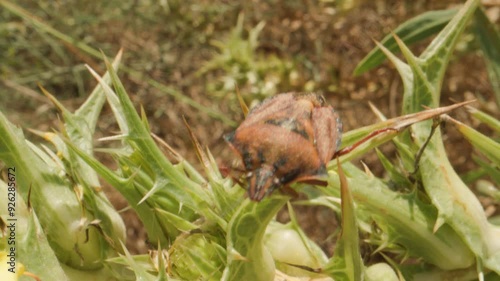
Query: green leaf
<point>395,176</point>
<point>248,258</point>
<point>456,204</point>
<point>131,193</point>
<point>79,128</point>
<point>493,172</point>
<point>411,31</point>
<point>406,221</point>
<point>485,118</point>
<point>489,40</point>
<point>140,272</point>
<point>346,263</point>
<point>197,256</point>
<point>178,222</point>
<point>53,198</point>
<point>489,189</point>
<point>156,175</point>
<point>487,146</point>
<point>32,247</point>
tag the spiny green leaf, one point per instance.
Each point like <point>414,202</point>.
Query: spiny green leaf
<point>394,174</point>
<point>131,193</point>
<point>197,256</point>
<point>140,273</point>
<point>141,138</point>
<point>411,31</point>
<point>407,220</point>
<point>65,232</point>
<point>89,111</point>
<point>178,222</point>
<point>456,204</point>
<point>436,56</point>
<point>489,40</point>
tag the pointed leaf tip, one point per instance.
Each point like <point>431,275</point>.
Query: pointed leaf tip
<point>244,107</point>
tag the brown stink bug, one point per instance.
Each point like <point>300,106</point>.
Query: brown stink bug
<point>291,137</point>
<point>288,138</point>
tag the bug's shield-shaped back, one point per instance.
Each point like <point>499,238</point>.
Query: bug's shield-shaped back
<point>327,132</point>
<point>286,139</point>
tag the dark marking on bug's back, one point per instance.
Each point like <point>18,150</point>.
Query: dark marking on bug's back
<point>302,133</point>
<point>276,122</point>
<point>290,124</point>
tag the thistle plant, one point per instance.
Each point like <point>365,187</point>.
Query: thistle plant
<point>424,222</point>
<point>81,226</point>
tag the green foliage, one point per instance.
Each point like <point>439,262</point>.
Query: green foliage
<point>81,226</point>
<point>83,50</point>
<point>423,219</point>
<point>346,263</point>
<point>412,31</point>
<point>488,37</point>
<point>34,250</point>
<point>259,75</point>
<point>456,204</point>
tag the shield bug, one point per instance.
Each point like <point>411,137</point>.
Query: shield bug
<point>287,138</point>
<point>291,137</point>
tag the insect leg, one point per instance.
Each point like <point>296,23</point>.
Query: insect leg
<point>416,165</point>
